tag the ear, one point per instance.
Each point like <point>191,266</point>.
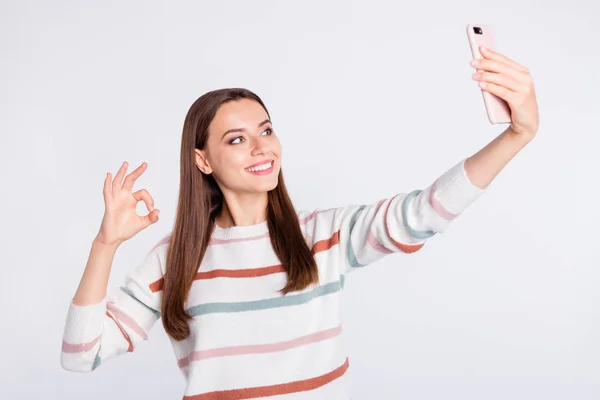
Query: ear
<point>202,162</point>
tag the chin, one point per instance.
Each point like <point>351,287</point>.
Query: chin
<point>265,183</point>
<point>266,187</point>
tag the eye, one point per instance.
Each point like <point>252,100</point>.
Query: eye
<point>239,139</point>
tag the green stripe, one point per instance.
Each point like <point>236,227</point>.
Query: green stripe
<point>132,295</point>
<point>414,233</point>
<point>350,249</point>
<point>284,301</point>
<point>97,362</point>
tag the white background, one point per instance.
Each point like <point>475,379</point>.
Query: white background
<point>369,98</point>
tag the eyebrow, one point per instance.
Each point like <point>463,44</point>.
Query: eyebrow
<point>266,121</point>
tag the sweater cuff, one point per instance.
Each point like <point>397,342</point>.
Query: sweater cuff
<point>84,323</point>
<point>455,191</point>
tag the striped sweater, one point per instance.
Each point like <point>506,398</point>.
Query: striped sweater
<point>247,340</point>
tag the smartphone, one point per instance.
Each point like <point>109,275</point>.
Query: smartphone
<point>498,111</point>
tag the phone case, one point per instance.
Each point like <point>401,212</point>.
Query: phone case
<point>498,111</point>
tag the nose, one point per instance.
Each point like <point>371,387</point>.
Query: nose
<point>260,146</point>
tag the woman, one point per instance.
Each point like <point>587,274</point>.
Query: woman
<point>247,288</point>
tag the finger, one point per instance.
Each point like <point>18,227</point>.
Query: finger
<point>483,65</point>
<point>151,218</point>
<point>497,90</point>
<point>499,79</point>
<point>143,195</point>
<point>107,189</point>
<point>132,177</point>
<point>494,55</point>
<point>118,181</point>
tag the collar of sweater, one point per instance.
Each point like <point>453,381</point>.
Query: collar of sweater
<point>241,232</point>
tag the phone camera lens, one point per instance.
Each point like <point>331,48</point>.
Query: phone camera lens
<point>477,30</point>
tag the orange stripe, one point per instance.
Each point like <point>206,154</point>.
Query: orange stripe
<point>130,349</point>
<point>274,390</point>
<point>321,245</point>
<point>157,286</point>
<point>240,273</point>
<point>406,248</point>
<point>226,273</point>
<point>326,244</point>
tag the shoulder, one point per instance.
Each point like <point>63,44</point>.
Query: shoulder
<point>327,219</point>
<point>161,246</point>
<point>318,222</point>
<point>154,261</point>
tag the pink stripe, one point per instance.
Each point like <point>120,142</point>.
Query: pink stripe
<point>312,215</point>
<point>260,348</point>
<point>79,348</point>
<point>437,206</point>
<point>164,240</point>
<point>127,320</point>
<point>302,221</point>
<point>309,217</point>
<point>376,244</point>
<point>379,204</point>
<point>215,241</point>
<point>372,240</point>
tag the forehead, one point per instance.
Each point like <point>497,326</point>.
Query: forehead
<point>242,113</point>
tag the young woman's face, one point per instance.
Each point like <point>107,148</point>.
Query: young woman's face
<point>242,151</point>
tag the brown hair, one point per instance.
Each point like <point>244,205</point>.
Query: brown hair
<point>200,202</point>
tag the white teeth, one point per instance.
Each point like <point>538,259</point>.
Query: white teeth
<point>260,167</point>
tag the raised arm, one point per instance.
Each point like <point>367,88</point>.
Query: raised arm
<point>402,223</point>
<point>359,235</point>
<point>97,327</point>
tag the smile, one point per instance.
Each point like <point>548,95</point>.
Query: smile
<point>261,169</point>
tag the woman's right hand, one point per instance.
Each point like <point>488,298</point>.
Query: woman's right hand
<point>121,221</point>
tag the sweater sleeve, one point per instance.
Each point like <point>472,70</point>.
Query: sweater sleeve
<point>401,223</point>
<point>116,325</point>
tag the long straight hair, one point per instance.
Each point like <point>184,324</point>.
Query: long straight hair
<point>201,201</point>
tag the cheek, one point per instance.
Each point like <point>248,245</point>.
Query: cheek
<point>230,163</point>
<point>276,147</point>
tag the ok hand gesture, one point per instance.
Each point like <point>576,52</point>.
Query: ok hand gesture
<point>121,221</point>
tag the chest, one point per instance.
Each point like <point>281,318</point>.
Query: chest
<point>236,299</point>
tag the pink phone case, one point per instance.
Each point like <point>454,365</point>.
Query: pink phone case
<point>497,109</point>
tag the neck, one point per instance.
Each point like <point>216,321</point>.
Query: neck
<point>243,209</point>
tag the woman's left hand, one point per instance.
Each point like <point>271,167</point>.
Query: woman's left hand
<point>501,76</point>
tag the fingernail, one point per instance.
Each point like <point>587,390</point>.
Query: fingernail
<point>476,75</point>
<point>474,62</point>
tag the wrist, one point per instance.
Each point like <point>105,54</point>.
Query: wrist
<point>519,137</point>
<point>103,245</point>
